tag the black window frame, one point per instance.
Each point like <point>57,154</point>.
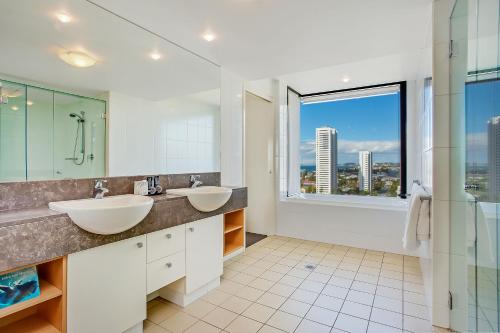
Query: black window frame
<point>402,123</point>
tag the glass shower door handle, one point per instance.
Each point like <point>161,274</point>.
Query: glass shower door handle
<point>471,187</point>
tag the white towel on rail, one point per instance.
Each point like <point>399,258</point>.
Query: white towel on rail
<point>418,219</point>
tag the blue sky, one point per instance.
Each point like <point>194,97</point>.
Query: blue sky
<point>369,123</point>
<point>482,103</point>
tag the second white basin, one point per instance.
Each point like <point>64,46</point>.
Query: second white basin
<point>110,215</point>
<point>205,198</point>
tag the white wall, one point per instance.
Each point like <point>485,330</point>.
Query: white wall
<point>378,229</point>
<point>180,135</point>
<point>232,129</point>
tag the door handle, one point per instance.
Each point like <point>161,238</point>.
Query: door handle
<point>140,245</point>
<point>169,236</point>
<point>191,229</point>
<point>169,264</point>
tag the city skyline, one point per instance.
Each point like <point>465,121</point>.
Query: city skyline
<point>363,124</point>
<point>326,160</point>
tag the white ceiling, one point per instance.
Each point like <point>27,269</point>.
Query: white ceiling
<point>31,39</point>
<point>266,38</point>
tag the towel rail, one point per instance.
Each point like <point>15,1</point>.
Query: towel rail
<point>426,198</point>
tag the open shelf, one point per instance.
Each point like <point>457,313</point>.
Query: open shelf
<point>230,248</point>
<point>230,228</point>
<point>31,324</point>
<point>45,313</point>
<point>234,231</point>
<point>47,292</point>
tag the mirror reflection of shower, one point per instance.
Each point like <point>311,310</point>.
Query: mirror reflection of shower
<point>79,137</point>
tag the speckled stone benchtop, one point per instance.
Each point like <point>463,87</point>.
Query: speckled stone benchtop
<point>32,234</point>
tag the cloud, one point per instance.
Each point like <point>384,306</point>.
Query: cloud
<point>353,147</point>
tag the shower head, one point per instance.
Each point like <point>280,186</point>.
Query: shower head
<point>80,117</point>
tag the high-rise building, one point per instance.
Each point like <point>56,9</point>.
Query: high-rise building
<point>326,160</point>
<point>494,159</point>
<point>365,171</point>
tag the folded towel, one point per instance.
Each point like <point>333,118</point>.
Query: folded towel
<point>424,221</point>
<point>418,219</point>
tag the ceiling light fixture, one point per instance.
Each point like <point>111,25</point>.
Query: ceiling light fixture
<point>346,79</point>
<point>14,108</point>
<point>29,103</point>
<point>63,17</point>
<point>155,56</point>
<point>208,36</point>
<point>77,59</point>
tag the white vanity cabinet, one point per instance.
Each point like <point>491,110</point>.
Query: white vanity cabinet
<point>107,287</point>
<point>166,257</point>
<point>204,247</point>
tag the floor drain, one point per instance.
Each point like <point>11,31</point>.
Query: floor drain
<point>311,267</point>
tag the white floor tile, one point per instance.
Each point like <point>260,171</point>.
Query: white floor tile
<point>364,287</point>
<point>284,321</point>
<point>259,312</point>
<point>304,296</point>
<point>312,286</point>
<point>202,327</point>
<point>386,317</point>
<point>360,297</point>
<point>350,324</point>
<point>416,325</point>
<point>335,291</point>
<point>379,328</point>
<point>295,307</point>
<point>322,315</point>
<point>236,304</point>
<point>415,310</point>
<point>329,302</point>
<point>282,289</point>
<point>390,304</point>
<point>356,310</point>
<point>243,325</point>
<point>307,326</point>
<point>271,300</point>
<point>219,318</point>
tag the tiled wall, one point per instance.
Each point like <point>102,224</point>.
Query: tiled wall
<point>173,136</point>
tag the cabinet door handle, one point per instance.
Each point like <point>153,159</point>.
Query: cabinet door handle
<point>139,245</point>
<point>191,229</point>
<point>169,236</point>
<point>169,264</point>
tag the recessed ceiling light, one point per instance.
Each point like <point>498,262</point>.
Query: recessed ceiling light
<point>346,79</point>
<point>14,108</point>
<point>155,56</point>
<point>63,17</point>
<point>208,36</point>
<point>29,103</point>
<point>77,59</point>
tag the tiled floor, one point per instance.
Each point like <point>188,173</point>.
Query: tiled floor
<point>252,238</point>
<point>290,285</point>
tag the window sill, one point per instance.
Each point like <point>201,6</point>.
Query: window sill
<point>395,204</point>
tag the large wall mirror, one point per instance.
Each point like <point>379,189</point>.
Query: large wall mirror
<point>85,93</point>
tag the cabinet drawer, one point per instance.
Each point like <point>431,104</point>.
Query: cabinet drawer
<point>165,242</point>
<point>165,271</point>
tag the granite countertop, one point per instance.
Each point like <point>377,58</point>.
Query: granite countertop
<point>28,215</point>
<point>32,235</point>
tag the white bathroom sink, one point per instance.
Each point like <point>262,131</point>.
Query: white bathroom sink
<point>205,198</point>
<point>110,215</point>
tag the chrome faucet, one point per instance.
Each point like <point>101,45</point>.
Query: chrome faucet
<point>99,189</point>
<point>195,181</point>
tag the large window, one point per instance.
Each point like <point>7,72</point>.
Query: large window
<point>350,142</point>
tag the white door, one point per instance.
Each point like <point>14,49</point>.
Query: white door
<point>259,165</point>
<point>107,287</point>
<point>203,252</point>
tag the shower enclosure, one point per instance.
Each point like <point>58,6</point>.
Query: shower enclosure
<point>46,134</point>
<point>475,165</point>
